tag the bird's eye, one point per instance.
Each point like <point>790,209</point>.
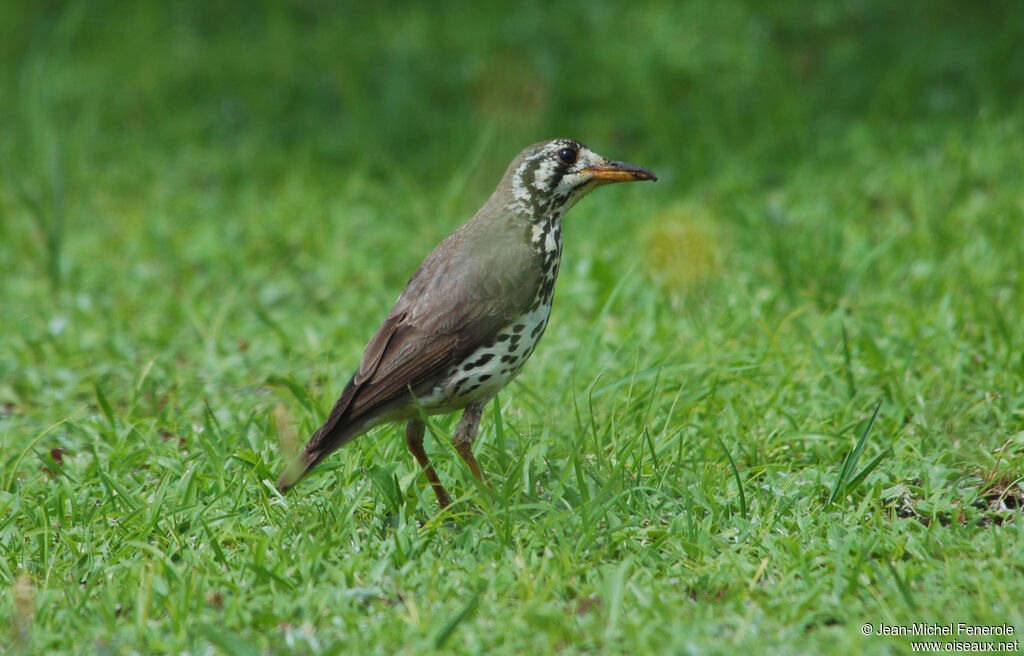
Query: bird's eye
<point>568,155</point>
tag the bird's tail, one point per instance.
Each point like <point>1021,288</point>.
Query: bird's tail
<point>320,446</point>
<point>295,472</point>
<point>336,431</point>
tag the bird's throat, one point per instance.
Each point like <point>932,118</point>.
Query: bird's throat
<point>546,239</point>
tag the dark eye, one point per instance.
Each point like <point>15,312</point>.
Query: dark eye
<point>568,155</point>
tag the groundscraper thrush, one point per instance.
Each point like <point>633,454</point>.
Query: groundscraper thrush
<point>472,313</point>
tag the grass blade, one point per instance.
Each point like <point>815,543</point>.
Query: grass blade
<point>104,404</point>
<point>846,479</point>
<point>228,643</point>
<point>452,624</point>
<point>736,475</point>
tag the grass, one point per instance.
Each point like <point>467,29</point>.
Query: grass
<point>781,394</point>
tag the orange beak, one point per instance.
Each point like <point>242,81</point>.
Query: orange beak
<point>620,172</point>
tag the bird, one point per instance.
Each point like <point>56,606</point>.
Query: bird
<point>471,314</point>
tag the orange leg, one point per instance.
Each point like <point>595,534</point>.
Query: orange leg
<point>465,433</point>
<point>414,439</point>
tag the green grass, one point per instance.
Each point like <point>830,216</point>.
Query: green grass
<point>205,211</point>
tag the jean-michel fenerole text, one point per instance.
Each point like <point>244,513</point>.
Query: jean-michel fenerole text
<point>950,629</point>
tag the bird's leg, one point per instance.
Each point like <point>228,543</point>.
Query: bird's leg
<point>414,438</point>
<point>465,433</point>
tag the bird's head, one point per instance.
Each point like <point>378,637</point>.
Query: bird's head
<point>551,176</point>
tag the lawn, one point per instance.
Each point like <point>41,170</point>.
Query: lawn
<point>781,395</point>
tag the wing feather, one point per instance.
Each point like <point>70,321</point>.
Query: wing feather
<point>466,290</point>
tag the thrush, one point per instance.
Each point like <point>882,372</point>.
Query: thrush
<point>472,313</point>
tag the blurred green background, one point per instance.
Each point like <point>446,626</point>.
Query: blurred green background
<point>128,96</point>
<point>200,200</point>
<point>108,104</point>
<point>162,130</point>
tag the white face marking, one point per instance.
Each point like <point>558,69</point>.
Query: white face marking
<point>538,185</point>
<point>545,172</point>
<point>519,190</point>
<point>573,183</point>
<point>520,194</point>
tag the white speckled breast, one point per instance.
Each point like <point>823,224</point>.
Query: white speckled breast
<point>491,366</point>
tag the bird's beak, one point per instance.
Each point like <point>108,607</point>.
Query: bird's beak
<point>619,172</point>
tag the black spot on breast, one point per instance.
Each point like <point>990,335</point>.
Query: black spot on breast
<point>483,359</point>
<point>485,378</point>
<point>507,358</point>
<point>518,328</point>
<point>502,337</point>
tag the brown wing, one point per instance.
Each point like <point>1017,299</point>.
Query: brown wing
<point>459,298</point>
